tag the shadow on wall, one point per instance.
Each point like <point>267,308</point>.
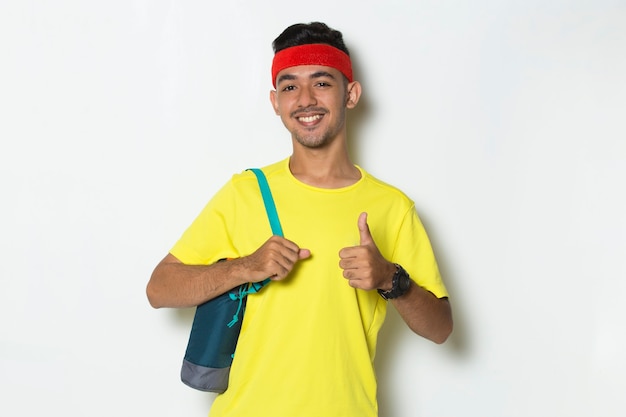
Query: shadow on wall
<point>459,341</point>
<point>357,118</point>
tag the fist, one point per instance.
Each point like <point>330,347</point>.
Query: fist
<point>364,266</point>
<point>274,259</point>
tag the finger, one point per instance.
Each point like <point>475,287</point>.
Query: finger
<point>283,248</point>
<point>346,253</point>
<point>364,231</point>
<point>287,258</point>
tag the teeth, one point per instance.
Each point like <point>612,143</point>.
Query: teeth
<point>309,119</point>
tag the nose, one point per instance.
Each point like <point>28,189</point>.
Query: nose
<point>306,97</point>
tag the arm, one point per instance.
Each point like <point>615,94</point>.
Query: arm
<point>425,314</point>
<point>366,268</point>
<point>174,284</point>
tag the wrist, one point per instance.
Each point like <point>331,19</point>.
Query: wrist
<point>237,271</point>
<point>389,273</point>
<point>400,284</point>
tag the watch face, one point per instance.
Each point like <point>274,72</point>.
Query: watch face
<point>404,281</point>
<point>401,284</point>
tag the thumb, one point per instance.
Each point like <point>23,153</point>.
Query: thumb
<point>364,230</point>
<point>304,253</point>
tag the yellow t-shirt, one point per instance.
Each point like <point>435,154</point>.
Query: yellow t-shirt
<point>307,343</point>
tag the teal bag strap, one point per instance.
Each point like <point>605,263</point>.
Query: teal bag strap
<point>272,215</point>
<point>270,207</point>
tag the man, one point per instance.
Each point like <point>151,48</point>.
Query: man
<point>351,243</point>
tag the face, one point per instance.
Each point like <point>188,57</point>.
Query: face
<point>311,101</point>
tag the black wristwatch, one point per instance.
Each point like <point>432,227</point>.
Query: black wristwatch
<point>399,285</point>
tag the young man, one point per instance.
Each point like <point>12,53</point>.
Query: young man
<point>352,245</point>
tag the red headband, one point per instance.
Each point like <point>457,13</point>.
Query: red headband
<point>312,54</point>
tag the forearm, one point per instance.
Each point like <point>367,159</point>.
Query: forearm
<point>425,314</point>
<point>174,284</point>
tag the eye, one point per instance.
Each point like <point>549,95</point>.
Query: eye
<point>322,84</point>
<point>289,87</point>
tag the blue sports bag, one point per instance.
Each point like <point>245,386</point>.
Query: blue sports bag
<point>217,322</point>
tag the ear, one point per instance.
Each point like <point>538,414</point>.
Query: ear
<point>354,93</point>
<point>274,101</point>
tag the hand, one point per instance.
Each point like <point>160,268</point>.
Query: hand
<point>364,266</point>
<point>274,259</point>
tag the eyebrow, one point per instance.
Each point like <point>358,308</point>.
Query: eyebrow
<point>318,74</point>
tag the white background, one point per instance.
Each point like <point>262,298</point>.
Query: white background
<point>504,120</point>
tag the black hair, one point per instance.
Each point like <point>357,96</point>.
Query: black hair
<point>308,33</point>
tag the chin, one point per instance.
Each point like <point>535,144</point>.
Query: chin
<point>312,143</point>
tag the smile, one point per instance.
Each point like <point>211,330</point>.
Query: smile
<point>309,119</point>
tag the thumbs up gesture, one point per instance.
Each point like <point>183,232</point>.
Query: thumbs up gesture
<point>364,266</point>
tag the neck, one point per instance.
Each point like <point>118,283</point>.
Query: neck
<point>323,168</point>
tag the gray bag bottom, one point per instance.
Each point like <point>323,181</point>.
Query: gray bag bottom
<point>203,378</point>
